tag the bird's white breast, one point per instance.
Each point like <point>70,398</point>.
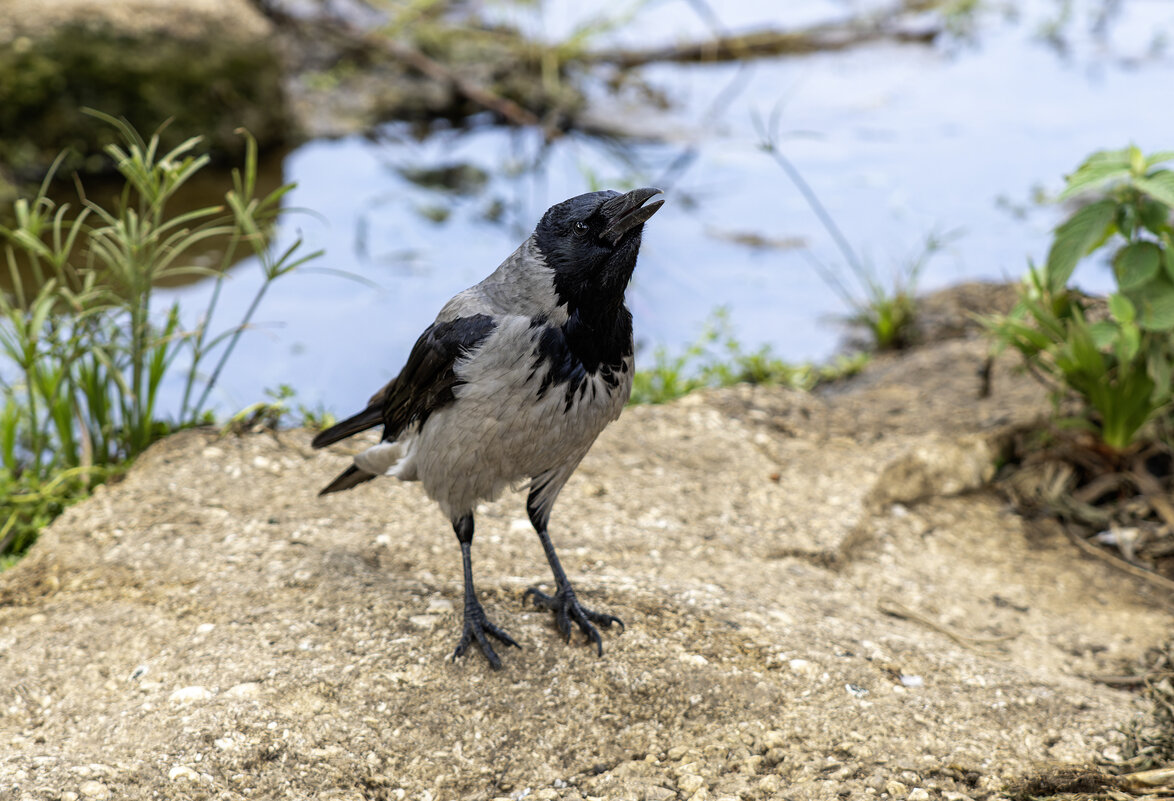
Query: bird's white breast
<point>504,427</point>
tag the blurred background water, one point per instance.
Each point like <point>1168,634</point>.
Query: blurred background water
<point>899,140</point>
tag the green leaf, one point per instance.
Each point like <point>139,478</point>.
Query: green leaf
<point>1159,157</point>
<point>1159,185</point>
<point>1136,160</point>
<point>1129,343</point>
<point>1104,159</point>
<point>1155,306</point>
<point>1090,177</point>
<point>1153,215</point>
<point>1074,239</point>
<point>1121,308</point>
<point>1136,264</point>
<point>1159,370</point>
<point>1099,168</point>
<point>1125,221</point>
<point>1104,334</point>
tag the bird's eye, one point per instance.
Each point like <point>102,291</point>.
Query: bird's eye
<point>581,228</point>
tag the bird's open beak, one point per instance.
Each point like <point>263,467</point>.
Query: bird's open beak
<point>628,211</point>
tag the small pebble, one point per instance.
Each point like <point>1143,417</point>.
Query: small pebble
<point>773,739</point>
<point>896,790</point>
<point>246,689</point>
<point>93,789</point>
<point>182,773</point>
<point>188,695</point>
<point>918,794</point>
<point>769,784</point>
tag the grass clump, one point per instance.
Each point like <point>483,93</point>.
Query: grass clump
<point>887,314</point>
<point>84,347</point>
<point>717,359</point>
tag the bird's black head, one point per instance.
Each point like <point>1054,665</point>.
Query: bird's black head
<point>591,242</point>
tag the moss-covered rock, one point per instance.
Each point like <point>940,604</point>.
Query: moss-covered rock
<point>205,77</point>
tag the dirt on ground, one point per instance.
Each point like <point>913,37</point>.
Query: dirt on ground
<point>822,599</point>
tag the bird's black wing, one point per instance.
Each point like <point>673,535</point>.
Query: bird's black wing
<point>428,379</point>
<point>425,383</point>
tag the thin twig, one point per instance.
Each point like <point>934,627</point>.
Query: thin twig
<point>1153,492</point>
<point>1130,681</point>
<point>895,609</point>
<point>1099,486</point>
<point>1117,562</point>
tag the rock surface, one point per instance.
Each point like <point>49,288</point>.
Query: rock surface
<point>821,599</point>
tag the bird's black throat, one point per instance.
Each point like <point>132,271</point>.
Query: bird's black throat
<point>582,347</point>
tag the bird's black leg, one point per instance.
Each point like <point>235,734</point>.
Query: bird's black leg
<point>564,603</point>
<point>476,624</point>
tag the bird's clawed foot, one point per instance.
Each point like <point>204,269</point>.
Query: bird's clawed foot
<point>476,627</point>
<point>566,607</point>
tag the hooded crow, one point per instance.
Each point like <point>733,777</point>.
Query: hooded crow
<point>512,383</point>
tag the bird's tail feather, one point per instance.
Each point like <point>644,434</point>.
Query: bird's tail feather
<point>368,418</point>
<point>351,477</point>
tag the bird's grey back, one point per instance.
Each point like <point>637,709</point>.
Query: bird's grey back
<point>521,285</point>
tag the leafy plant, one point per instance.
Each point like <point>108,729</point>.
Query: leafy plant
<point>1118,360</point>
<point>84,349</point>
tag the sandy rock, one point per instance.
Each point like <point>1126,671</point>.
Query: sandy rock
<point>771,609</point>
<point>935,468</point>
<point>35,18</point>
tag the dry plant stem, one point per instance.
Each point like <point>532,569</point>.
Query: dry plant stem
<point>895,609</point>
<point>1084,545</point>
<point>1148,780</point>
<point>1153,492</point>
<point>1099,486</point>
<point>1131,681</point>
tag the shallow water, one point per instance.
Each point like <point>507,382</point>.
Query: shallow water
<point>897,140</point>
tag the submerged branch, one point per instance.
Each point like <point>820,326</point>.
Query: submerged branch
<point>760,44</point>
<point>525,76</point>
<point>376,44</point>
